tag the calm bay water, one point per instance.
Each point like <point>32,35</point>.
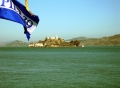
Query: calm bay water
<point>88,67</point>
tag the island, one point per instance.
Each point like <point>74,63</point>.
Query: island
<point>54,42</point>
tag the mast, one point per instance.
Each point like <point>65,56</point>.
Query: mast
<point>27,7</point>
<point>26,4</point>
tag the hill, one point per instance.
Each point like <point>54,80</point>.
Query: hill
<point>17,43</point>
<point>104,41</point>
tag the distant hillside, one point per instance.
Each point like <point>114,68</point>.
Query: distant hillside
<point>104,41</point>
<point>17,43</point>
<point>2,44</point>
<point>78,38</point>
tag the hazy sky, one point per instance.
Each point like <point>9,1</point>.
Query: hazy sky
<point>67,19</point>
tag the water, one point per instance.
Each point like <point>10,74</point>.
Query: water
<point>88,67</point>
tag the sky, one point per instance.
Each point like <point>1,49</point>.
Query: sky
<point>67,19</point>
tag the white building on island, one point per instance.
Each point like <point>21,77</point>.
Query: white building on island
<point>54,38</point>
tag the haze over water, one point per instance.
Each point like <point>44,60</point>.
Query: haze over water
<point>88,67</point>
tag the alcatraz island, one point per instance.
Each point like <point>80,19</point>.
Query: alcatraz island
<point>54,42</point>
